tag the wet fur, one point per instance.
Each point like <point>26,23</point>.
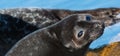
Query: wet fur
<point>51,40</point>
<point>22,21</point>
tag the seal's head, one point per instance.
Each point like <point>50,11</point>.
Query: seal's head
<point>80,30</point>
<point>110,16</point>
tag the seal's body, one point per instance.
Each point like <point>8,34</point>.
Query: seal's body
<point>16,23</point>
<point>69,37</point>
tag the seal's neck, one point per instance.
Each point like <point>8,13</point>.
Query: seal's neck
<point>55,31</point>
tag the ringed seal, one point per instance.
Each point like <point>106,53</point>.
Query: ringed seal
<point>68,37</point>
<point>19,22</point>
<point>38,16</point>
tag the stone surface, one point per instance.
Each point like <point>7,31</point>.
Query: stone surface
<point>112,49</point>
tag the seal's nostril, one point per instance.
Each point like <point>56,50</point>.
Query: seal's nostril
<point>111,16</point>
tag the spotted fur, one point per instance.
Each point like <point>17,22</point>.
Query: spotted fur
<point>52,40</point>
<point>16,23</point>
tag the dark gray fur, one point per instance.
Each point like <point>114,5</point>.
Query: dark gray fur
<point>17,23</point>
<point>52,40</point>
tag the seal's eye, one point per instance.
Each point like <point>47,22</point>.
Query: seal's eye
<point>88,18</point>
<point>80,34</point>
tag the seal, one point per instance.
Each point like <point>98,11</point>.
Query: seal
<point>108,15</point>
<point>68,37</point>
<point>19,22</point>
<point>37,16</point>
<point>11,30</point>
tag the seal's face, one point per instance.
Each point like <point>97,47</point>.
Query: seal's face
<point>83,32</point>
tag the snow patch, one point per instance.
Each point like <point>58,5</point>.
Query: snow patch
<point>118,16</point>
<point>116,38</point>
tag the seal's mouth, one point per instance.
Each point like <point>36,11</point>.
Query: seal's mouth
<point>74,45</point>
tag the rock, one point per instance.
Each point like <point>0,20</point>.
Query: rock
<point>107,50</point>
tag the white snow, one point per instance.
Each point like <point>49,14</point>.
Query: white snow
<point>116,38</point>
<point>118,16</point>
